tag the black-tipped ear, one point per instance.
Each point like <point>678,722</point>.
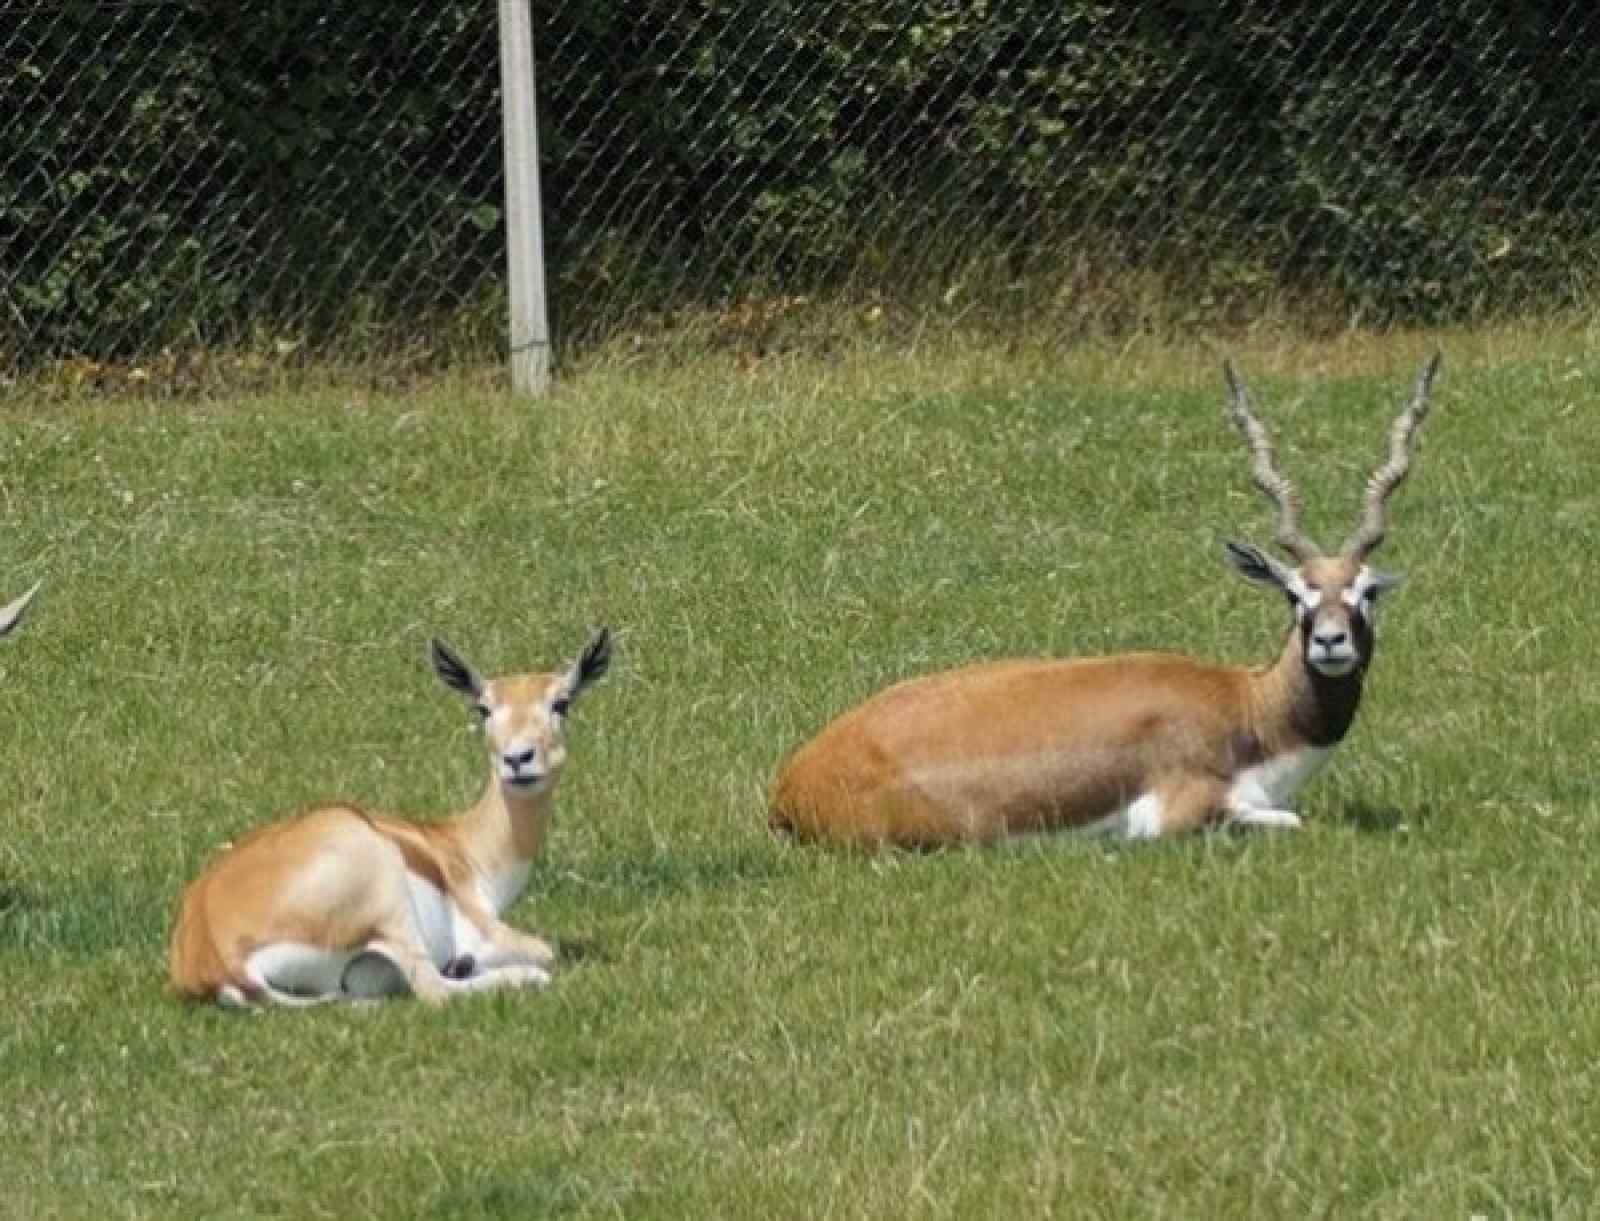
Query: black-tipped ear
<point>453,669</point>
<point>1255,565</point>
<point>593,662</point>
<point>1385,582</point>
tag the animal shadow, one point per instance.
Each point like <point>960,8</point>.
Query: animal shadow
<point>1384,819</point>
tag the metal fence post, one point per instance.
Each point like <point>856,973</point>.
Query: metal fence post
<point>530,320</point>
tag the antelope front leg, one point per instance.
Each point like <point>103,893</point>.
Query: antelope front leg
<point>1180,806</point>
<point>512,947</point>
<point>488,979</point>
<point>475,973</point>
<point>387,967</point>
<point>503,949</point>
<point>1260,818</point>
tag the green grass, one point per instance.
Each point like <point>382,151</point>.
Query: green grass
<point>1392,1014</point>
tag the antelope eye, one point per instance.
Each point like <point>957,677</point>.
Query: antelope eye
<point>482,710</point>
<point>559,707</point>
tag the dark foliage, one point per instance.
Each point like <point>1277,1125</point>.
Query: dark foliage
<point>203,170</point>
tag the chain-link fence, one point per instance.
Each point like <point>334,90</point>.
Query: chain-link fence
<point>278,176</point>
<point>299,173</point>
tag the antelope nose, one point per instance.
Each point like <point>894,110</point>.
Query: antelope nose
<point>1330,638</point>
<point>519,759</point>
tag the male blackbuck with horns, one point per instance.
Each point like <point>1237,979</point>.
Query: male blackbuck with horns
<point>1139,745</point>
<point>11,613</point>
<point>339,903</point>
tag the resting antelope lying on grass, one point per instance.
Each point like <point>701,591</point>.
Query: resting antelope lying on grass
<point>338,903</point>
<point>1139,745</point>
<point>11,614</point>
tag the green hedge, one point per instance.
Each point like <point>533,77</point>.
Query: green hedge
<point>1399,162</point>
<point>331,172</point>
<point>202,173</point>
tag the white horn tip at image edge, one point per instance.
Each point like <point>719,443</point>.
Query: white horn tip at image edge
<point>12,614</point>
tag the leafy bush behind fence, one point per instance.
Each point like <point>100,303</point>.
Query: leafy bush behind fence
<point>177,173</point>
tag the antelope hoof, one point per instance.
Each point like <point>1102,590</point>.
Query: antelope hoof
<point>525,977</point>
<point>1265,820</point>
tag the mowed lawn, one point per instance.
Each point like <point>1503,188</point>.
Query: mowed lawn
<point>1395,1013</point>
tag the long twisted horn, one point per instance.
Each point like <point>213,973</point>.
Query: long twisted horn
<point>1369,534</point>
<point>11,614</point>
<point>1264,470</point>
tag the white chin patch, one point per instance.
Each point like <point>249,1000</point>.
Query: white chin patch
<point>1332,665</point>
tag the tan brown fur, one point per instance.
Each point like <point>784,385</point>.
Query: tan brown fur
<point>335,877</point>
<point>260,891</point>
<point>1028,746</point>
<point>1019,747</point>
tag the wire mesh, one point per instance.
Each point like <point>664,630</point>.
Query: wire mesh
<point>1116,164</point>
<point>292,172</point>
<point>287,174</point>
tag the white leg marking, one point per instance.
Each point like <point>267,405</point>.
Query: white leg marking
<point>1264,819</point>
<point>1142,818</point>
<point>500,977</point>
<point>1139,819</point>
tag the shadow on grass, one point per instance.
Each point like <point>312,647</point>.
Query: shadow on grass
<point>13,900</point>
<point>1384,820</point>
<point>580,951</point>
<point>666,875</point>
<point>622,884</point>
<point>78,919</point>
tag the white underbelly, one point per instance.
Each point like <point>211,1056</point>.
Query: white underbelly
<point>296,971</point>
<point>444,929</point>
<point>308,971</point>
<point>1270,784</point>
<point>300,969</point>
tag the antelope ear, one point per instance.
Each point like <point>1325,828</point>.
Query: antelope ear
<point>1256,566</point>
<point>591,664</point>
<point>453,669</point>
<point>1382,582</point>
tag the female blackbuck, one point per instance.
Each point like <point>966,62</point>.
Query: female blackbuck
<point>11,613</point>
<point>1140,745</point>
<point>340,903</point>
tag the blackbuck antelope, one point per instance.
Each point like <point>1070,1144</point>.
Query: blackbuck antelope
<point>339,903</point>
<point>1138,745</point>
<point>11,613</point>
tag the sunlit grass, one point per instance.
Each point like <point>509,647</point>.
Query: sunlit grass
<point>1390,1014</point>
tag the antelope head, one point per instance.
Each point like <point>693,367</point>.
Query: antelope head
<point>524,716</point>
<point>11,614</point>
<point>1334,597</point>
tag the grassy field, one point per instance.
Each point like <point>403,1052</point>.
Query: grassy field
<point>1393,1014</point>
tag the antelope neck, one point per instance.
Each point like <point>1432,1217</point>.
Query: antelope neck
<point>1317,708</point>
<point>507,828</point>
